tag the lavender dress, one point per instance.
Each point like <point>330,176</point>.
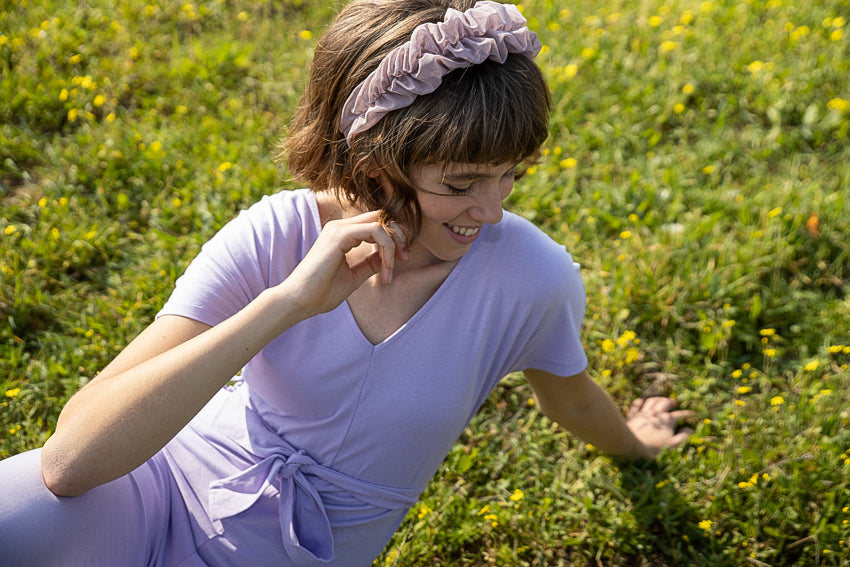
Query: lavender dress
<point>327,440</point>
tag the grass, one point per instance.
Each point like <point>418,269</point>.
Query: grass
<point>697,168</point>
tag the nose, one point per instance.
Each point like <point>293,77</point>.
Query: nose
<point>488,202</point>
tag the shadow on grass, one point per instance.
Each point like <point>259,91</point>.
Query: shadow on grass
<point>671,530</point>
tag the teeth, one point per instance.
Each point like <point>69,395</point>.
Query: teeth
<point>464,231</point>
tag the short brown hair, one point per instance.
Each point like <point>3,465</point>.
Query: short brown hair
<point>487,113</point>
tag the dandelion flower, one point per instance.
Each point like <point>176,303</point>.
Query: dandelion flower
<point>568,163</point>
<point>777,401</point>
<point>744,389</point>
<point>517,495</point>
<point>705,525</point>
<point>667,46</point>
<point>839,104</point>
<point>305,35</point>
<point>13,392</point>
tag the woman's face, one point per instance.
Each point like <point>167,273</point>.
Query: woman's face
<point>456,201</point>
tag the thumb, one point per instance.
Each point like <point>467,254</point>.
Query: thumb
<point>366,268</point>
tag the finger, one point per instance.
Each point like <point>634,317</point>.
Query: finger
<point>681,437</point>
<point>366,268</point>
<point>396,232</point>
<point>635,407</point>
<point>659,404</point>
<point>681,415</point>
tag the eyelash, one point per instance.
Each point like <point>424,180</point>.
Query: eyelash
<point>466,190</point>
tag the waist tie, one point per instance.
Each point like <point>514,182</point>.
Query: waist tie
<point>304,524</point>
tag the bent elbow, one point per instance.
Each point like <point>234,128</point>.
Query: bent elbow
<point>57,473</point>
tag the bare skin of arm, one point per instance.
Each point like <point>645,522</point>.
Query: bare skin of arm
<point>173,368</point>
<point>580,405</point>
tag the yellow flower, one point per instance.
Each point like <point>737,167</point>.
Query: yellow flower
<point>424,510</point>
<point>656,21</point>
<point>777,401</point>
<point>708,170</point>
<point>13,392</point>
<point>705,525</point>
<point>767,332</point>
<point>836,35</point>
<point>770,352</point>
<point>744,485</point>
<point>73,114</point>
<point>744,389</point>
<point>63,95</point>
<point>608,345</point>
<point>679,108</point>
<point>305,34</point>
<point>225,166</point>
<point>667,46</point>
<point>839,104</point>
<point>688,89</point>
<point>10,230</point>
<point>774,212</point>
<point>42,202</point>
<point>99,100</point>
<point>517,495</point>
<point>625,234</point>
<point>811,366</point>
<point>568,163</point>
<point>570,70</point>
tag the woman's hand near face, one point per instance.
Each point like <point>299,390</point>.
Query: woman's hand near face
<point>328,274</point>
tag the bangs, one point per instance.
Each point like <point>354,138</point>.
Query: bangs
<point>487,113</point>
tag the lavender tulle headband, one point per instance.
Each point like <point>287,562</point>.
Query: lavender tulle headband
<point>489,30</point>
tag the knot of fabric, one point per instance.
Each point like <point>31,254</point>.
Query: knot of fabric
<point>305,529</point>
<point>489,30</point>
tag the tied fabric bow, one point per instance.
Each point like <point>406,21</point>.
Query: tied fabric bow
<point>304,524</point>
<point>489,30</point>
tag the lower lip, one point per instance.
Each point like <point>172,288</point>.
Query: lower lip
<point>461,239</point>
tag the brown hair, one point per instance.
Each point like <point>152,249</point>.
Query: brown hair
<point>487,113</point>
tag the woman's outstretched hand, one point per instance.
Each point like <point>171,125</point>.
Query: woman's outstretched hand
<point>328,274</point>
<point>655,422</point>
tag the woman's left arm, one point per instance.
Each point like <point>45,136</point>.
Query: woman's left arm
<point>580,405</point>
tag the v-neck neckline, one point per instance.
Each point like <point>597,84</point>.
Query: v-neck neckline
<point>420,313</point>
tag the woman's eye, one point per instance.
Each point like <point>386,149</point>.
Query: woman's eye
<point>459,190</point>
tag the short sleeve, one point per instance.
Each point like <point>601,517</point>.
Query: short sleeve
<point>555,344</point>
<point>251,253</point>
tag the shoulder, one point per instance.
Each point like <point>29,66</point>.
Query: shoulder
<point>283,208</point>
<point>286,215</point>
<point>518,249</point>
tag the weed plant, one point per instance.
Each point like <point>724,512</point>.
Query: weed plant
<point>698,168</point>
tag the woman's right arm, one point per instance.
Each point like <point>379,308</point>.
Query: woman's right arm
<point>173,368</point>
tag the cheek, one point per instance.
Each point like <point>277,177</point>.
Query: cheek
<point>505,188</point>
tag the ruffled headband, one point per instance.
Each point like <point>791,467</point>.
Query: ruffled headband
<point>488,30</point>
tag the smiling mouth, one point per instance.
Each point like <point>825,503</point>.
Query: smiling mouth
<point>464,231</point>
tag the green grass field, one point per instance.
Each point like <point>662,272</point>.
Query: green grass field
<point>698,167</point>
